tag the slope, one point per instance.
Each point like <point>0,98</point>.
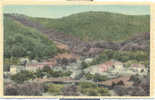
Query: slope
<point>21,41</point>
<point>100,25</point>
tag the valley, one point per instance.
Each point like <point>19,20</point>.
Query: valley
<point>84,54</point>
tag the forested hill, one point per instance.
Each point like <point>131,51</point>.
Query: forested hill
<point>25,36</point>
<point>21,41</point>
<point>100,25</point>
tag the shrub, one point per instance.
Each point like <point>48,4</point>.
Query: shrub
<point>89,76</point>
<point>87,85</point>
<point>39,73</point>
<point>55,89</point>
<point>91,92</point>
<point>22,76</point>
<point>46,69</point>
<point>103,92</point>
<point>68,73</point>
<point>99,77</point>
<point>84,65</point>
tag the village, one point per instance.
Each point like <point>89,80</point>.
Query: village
<point>68,68</point>
<point>112,69</point>
<point>92,53</point>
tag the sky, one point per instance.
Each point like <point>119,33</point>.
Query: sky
<point>58,11</point>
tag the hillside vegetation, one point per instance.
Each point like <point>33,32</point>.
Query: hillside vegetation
<point>100,25</point>
<point>21,41</point>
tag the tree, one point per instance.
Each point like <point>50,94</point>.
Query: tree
<point>39,73</point>
<point>46,69</point>
<point>84,65</point>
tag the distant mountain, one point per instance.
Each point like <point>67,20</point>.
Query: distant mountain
<point>100,25</point>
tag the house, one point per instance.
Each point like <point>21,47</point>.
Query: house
<point>30,66</point>
<point>109,66</point>
<point>138,69</point>
<point>34,66</point>
<point>15,69</point>
<point>116,66</point>
<point>88,60</point>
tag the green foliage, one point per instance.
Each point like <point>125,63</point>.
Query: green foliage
<point>55,89</point>
<point>87,85</point>
<point>68,73</point>
<point>89,76</point>
<point>59,73</point>
<point>98,77</point>
<point>92,89</point>
<point>47,71</point>
<point>123,56</point>
<point>21,41</point>
<point>39,74</point>
<point>100,25</point>
<point>103,91</point>
<point>22,76</point>
<point>84,65</point>
<point>90,92</point>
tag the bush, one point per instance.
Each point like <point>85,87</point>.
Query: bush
<point>91,89</point>
<point>91,92</point>
<point>22,76</point>
<point>46,69</point>
<point>99,77</point>
<point>55,89</point>
<point>87,85</point>
<point>39,74</point>
<point>68,73</point>
<point>84,65</point>
<point>89,76</point>
<point>103,92</point>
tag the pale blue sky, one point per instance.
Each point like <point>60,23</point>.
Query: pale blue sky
<point>57,11</point>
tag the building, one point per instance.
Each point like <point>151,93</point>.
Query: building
<point>138,69</point>
<point>109,66</point>
<point>15,69</point>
